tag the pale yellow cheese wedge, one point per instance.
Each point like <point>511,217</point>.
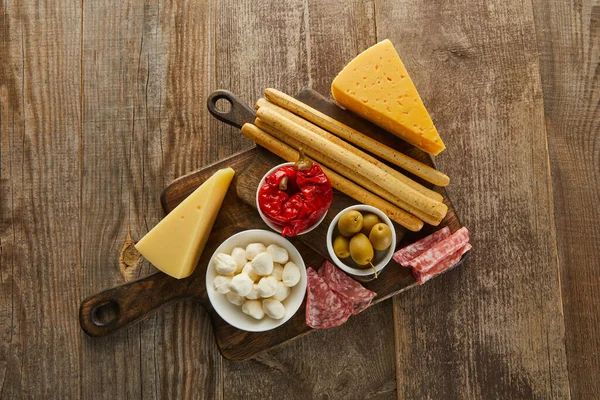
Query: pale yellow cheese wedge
<point>175,245</point>
<point>376,86</point>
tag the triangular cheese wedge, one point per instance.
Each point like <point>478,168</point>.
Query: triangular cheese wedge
<point>376,86</point>
<point>175,245</point>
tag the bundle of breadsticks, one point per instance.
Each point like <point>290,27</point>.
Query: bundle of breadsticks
<point>284,125</point>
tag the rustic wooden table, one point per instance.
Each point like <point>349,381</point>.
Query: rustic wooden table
<point>102,103</point>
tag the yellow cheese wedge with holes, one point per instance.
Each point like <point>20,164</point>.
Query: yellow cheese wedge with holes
<point>175,245</point>
<point>376,86</point>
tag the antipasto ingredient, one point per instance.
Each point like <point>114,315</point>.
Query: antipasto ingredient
<point>291,274</point>
<point>254,249</point>
<point>277,271</point>
<point>262,264</point>
<point>253,308</point>
<point>248,270</point>
<point>253,295</point>
<point>341,247</point>
<point>441,250</point>
<point>361,250</point>
<point>175,245</point>
<point>241,284</point>
<point>347,287</point>
<point>225,264</point>
<point>295,197</point>
<point>404,255</point>
<point>369,221</point>
<point>381,236</point>
<point>279,254</point>
<point>350,222</point>
<point>324,308</point>
<point>442,266</point>
<point>221,284</point>
<point>235,298</point>
<point>377,86</point>
<point>282,292</point>
<point>239,255</point>
<point>273,308</point>
<point>267,286</point>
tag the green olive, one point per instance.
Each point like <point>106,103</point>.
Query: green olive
<point>350,222</point>
<point>341,247</point>
<point>369,221</point>
<point>361,250</point>
<point>381,236</point>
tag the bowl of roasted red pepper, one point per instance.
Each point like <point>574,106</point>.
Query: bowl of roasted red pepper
<point>293,198</point>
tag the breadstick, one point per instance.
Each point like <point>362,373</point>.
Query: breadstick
<point>375,174</point>
<point>346,172</point>
<point>360,139</point>
<point>323,133</point>
<point>337,181</point>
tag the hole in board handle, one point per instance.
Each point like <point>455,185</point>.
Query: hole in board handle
<point>223,105</point>
<point>105,313</point>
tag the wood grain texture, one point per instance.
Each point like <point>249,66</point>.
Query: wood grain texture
<point>494,329</point>
<point>189,365</point>
<point>40,170</point>
<point>144,123</point>
<point>260,44</point>
<point>102,104</point>
<point>569,44</point>
<point>330,363</point>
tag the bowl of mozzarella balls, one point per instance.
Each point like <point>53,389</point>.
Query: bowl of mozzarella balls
<point>256,280</point>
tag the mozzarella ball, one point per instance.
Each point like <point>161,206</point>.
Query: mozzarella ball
<point>239,255</point>
<point>277,271</point>
<point>224,264</point>
<point>279,254</point>
<point>248,270</point>
<point>254,309</point>
<point>273,308</point>
<point>267,286</point>
<point>221,284</point>
<point>235,299</point>
<point>253,295</point>
<point>282,292</point>
<point>262,264</point>
<point>254,249</point>
<point>291,274</point>
<point>241,284</point>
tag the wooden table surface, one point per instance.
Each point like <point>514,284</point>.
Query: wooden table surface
<point>102,103</point>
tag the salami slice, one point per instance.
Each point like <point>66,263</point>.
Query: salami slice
<point>441,250</point>
<point>444,265</point>
<point>324,308</point>
<point>404,255</point>
<point>346,287</point>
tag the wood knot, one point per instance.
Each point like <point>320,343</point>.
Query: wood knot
<point>130,260</point>
<point>459,52</point>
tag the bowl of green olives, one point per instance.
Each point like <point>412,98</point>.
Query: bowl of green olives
<point>361,241</point>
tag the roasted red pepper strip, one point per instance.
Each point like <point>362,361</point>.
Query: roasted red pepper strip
<point>306,199</point>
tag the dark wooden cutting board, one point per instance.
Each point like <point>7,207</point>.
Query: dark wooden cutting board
<point>117,308</point>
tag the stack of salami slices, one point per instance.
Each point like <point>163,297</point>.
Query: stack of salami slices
<point>434,254</point>
<point>332,297</point>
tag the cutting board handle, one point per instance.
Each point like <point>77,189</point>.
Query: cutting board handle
<point>117,308</point>
<point>238,113</point>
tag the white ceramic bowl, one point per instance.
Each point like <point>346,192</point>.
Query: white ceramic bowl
<point>271,225</point>
<point>382,257</point>
<point>233,314</point>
